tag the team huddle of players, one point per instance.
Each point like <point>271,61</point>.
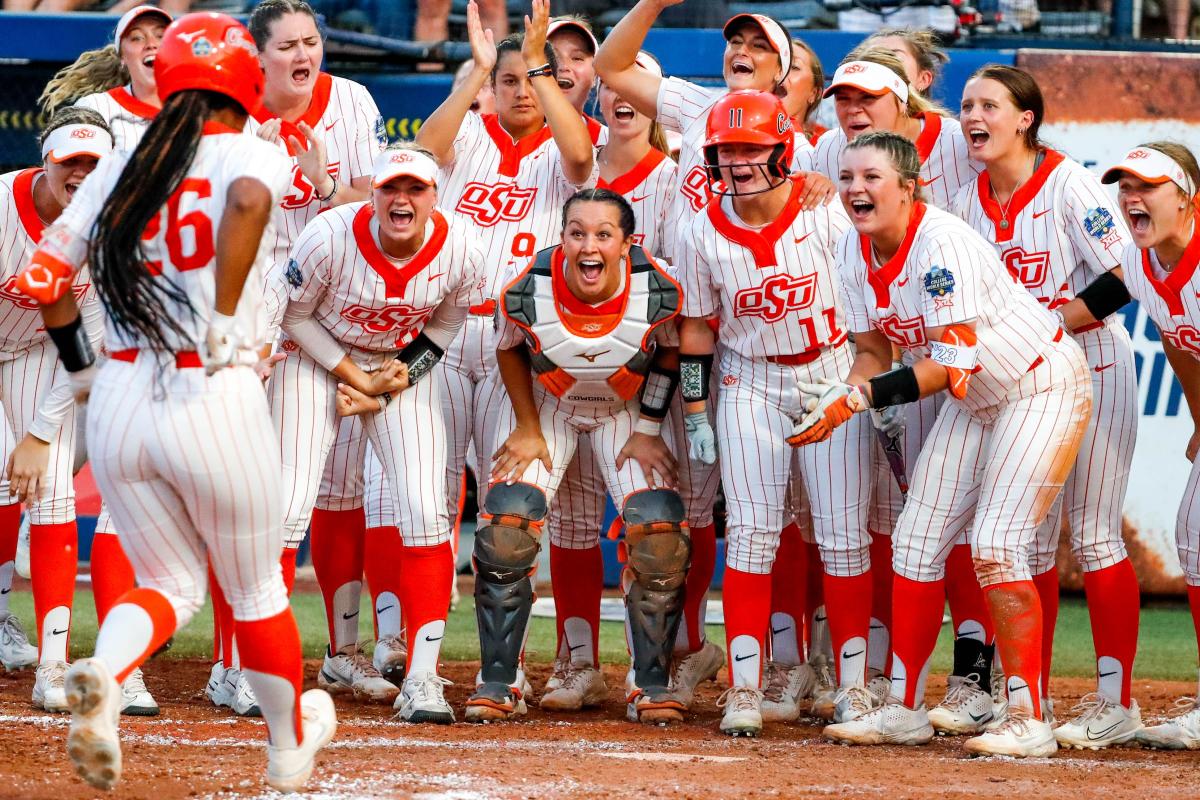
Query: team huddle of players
<point>706,291</point>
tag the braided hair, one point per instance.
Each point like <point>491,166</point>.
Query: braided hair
<point>627,220</point>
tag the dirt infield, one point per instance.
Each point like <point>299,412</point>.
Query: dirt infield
<point>194,750</point>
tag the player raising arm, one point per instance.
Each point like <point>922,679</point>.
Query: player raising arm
<point>179,429</point>
<point>919,278</point>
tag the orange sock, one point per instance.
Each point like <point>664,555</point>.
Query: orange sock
<point>814,592</point>
<point>967,604</point>
<point>112,574</point>
<point>222,622</point>
<point>381,562</point>
<point>336,539</point>
<point>848,606</point>
<point>10,529</point>
<point>1194,605</point>
<point>917,619</point>
<point>1047,589</point>
<point>879,642</point>
<point>1017,615</point>
<point>287,562</point>
<point>270,654</point>
<point>747,614</point>
<point>53,564</point>
<point>699,579</point>
<point>137,624</point>
<point>788,597</point>
<point>425,597</point>
<point>577,578</point>
<point>1114,603</point>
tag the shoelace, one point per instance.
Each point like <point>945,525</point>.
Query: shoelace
<point>1089,707</point>
<point>740,698</point>
<point>135,684</point>
<point>573,677</point>
<point>363,667</point>
<point>11,630</point>
<point>1183,706</point>
<point>1016,720</point>
<point>859,698</point>
<point>430,688</point>
<point>55,672</point>
<point>392,643</point>
<point>960,694</point>
<point>825,677</point>
<point>777,682</point>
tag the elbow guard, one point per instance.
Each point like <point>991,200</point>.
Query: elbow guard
<point>1104,296</point>
<point>957,353</point>
<point>694,375</point>
<point>46,279</point>
<point>74,349</point>
<point>421,355</point>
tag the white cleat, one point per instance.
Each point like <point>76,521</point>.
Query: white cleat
<point>288,769</point>
<point>1179,731</point>
<point>1017,735</point>
<point>92,741</point>
<point>880,688</point>
<point>136,700</point>
<point>422,700</point>
<point>390,658</point>
<point>966,710</point>
<point>354,672</point>
<point>743,711</point>
<point>241,699</point>
<point>825,692</point>
<point>785,686</point>
<point>578,686</point>
<point>1099,722</point>
<point>15,650</point>
<point>49,687</point>
<point>893,723</point>
<point>22,562</point>
<point>853,702</point>
<point>218,690</point>
<point>690,670</point>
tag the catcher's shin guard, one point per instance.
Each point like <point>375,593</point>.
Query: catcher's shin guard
<point>505,553</point>
<point>659,555</point>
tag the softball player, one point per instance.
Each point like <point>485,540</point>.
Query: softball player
<point>586,340</point>
<point>367,280</point>
<point>765,266</point>
<point>39,410</point>
<point>1020,396</point>
<point>1058,233</point>
<point>1156,191</point>
<point>116,81</point>
<point>179,430</point>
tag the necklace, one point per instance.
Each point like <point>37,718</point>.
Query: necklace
<point>1004,208</point>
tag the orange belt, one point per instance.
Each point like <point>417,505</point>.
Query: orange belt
<point>798,359</point>
<point>1038,361</point>
<point>185,359</point>
<point>1091,326</point>
<point>484,309</point>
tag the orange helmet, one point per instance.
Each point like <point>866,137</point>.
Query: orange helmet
<point>750,117</point>
<point>212,52</point>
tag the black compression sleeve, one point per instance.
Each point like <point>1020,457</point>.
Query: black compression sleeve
<point>1104,296</point>
<point>74,349</point>
<point>895,388</point>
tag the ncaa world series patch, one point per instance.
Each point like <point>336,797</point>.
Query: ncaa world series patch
<point>381,131</point>
<point>293,274</point>
<point>1099,225</point>
<point>939,284</point>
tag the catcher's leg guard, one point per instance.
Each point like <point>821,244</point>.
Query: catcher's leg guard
<point>659,555</point>
<point>505,554</point>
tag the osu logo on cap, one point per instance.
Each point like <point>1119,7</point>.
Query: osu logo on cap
<point>234,37</point>
<point>1138,154</point>
<point>83,133</point>
<point>400,158</point>
<point>853,68</point>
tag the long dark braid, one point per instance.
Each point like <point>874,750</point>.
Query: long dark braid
<point>134,298</point>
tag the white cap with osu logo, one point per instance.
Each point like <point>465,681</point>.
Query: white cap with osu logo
<point>392,164</point>
<point>69,141</point>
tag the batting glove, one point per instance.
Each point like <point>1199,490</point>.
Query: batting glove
<point>702,440</point>
<point>890,420</point>
<point>829,403</point>
<point>220,343</point>
<point>81,382</point>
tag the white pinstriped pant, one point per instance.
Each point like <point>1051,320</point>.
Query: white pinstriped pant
<point>886,500</point>
<point>756,408</point>
<point>1187,527</point>
<point>1003,467</point>
<point>190,469</point>
<point>1094,495</point>
<point>25,380</point>
<point>409,437</point>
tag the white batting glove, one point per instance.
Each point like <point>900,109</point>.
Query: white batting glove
<point>81,382</point>
<point>890,420</point>
<point>702,439</point>
<point>829,403</point>
<point>220,343</point>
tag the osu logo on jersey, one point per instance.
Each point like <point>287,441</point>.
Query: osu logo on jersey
<point>1185,337</point>
<point>776,296</point>
<point>386,319</point>
<point>10,292</point>
<point>1028,268</point>
<point>488,204</point>
<point>904,332</point>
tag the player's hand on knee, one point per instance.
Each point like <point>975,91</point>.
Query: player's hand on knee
<point>27,468</point>
<point>351,402</point>
<point>818,191</point>
<point>522,447</point>
<point>702,439</point>
<point>653,456</point>
<point>890,420</point>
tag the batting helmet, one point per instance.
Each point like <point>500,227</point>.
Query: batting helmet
<point>750,117</point>
<point>212,52</point>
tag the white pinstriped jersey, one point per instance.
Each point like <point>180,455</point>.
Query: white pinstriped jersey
<point>181,240</point>
<point>1171,299</point>
<point>945,273</point>
<point>776,288</point>
<point>512,192</point>
<point>941,146</point>
<point>127,117</point>
<point>373,304</point>
<point>344,116</point>
<point>649,188</point>
<point>1063,229</point>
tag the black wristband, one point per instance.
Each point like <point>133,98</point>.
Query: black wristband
<point>421,354</point>
<point>544,71</point>
<point>895,388</point>
<point>1104,296</point>
<point>74,349</point>
<point>694,373</point>
<point>657,392</point>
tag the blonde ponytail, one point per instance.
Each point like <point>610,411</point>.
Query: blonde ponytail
<point>94,71</point>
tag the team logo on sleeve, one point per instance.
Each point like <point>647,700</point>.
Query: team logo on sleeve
<point>1099,225</point>
<point>381,131</point>
<point>294,277</point>
<point>939,284</point>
